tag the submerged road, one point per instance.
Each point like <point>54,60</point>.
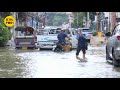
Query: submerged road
<point>49,64</point>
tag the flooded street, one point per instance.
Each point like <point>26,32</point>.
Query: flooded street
<point>97,31</point>
<point>49,64</point>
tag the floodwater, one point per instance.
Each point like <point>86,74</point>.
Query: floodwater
<point>49,64</point>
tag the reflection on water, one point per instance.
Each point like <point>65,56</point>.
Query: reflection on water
<point>117,69</point>
<point>44,64</point>
<point>11,66</point>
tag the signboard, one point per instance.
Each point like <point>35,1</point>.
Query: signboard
<point>9,21</point>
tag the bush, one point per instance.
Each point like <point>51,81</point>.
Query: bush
<point>5,34</point>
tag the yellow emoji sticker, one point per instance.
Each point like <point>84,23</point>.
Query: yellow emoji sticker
<point>9,21</point>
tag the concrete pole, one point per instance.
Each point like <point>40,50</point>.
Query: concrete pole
<point>111,21</point>
<point>87,19</point>
<point>108,22</point>
<point>114,19</point>
<point>77,19</point>
<point>14,15</point>
<point>97,23</point>
<point>13,32</point>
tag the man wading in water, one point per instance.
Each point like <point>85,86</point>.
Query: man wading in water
<point>82,45</point>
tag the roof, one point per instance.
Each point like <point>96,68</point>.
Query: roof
<point>83,28</point>
<point>21,28</point>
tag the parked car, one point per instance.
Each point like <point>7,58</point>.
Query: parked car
<point>113,46</point>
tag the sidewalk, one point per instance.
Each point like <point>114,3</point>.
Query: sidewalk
<point>98,41</point>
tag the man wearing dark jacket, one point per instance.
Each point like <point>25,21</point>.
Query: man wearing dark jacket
<point>61,41</point>
<point>61,37</point>
<point>81,45</point>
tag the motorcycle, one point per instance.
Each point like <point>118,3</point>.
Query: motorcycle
<point>61,47</point>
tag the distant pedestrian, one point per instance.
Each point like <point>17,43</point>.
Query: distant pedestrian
<point>82,45</point>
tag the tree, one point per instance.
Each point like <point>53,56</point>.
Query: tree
<point>92,16</point>
<point>50,17</point>
<point>5,34</point>
<point>78,19</point>
<point>56,18</point>
<point>59,19</point>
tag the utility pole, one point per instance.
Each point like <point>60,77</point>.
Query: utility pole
<point>114,19</point>
<point>77,19</point>
<point>15,15</point>
<point>87,19</point>
<point>108,21</point>
<point>97,23</point>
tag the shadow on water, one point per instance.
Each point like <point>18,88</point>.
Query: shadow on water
<point>11,65</point>
<point>31,50</point>
<point>117,69</point>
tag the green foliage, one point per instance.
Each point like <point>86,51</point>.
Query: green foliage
<point>59,19</point>
<point>5,34</point>
<point>50,19</point>
<point>56,19</point>
<point>78,19</point>
<point>92,16</point>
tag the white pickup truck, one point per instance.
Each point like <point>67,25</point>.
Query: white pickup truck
<point>49,40</point>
